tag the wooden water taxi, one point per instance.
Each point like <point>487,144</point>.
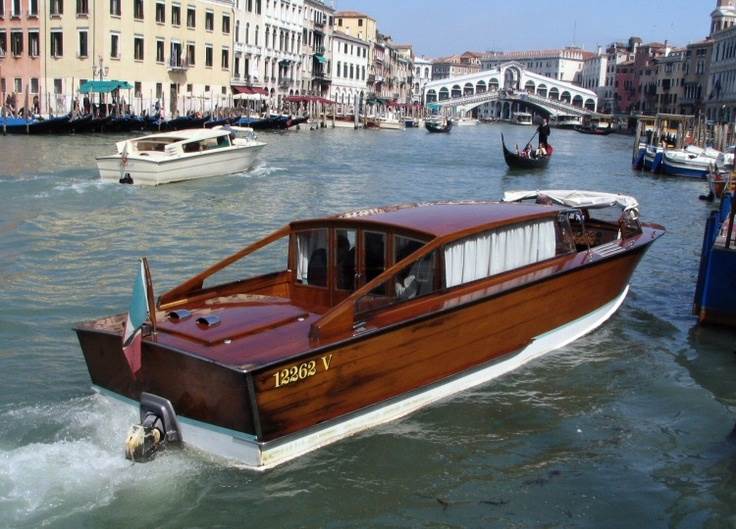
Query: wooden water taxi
<point>370,315</point>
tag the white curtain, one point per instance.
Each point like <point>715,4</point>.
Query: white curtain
<point>306,243</point>
<point>498,251</point>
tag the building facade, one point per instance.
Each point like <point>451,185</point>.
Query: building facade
<point>422,75</point>
<point>21,60</point>
<point>178,55</point>
<point>456,65</point>
<point>317,65</point>
<point>350,70</point>
<point>563,64</point>
<point>695,77</point>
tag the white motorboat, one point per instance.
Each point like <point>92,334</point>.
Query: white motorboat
<point>181,155</point>
<point>466,122</point>
<point>691,161</point>
<point>391,122</point>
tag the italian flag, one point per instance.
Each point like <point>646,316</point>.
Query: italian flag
<point>137,316</point>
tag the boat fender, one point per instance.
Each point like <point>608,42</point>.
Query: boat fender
<point>127,179</point>
<point>158,429</point>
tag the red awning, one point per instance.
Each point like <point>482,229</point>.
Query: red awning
<point>309,99</point>
<point>249,90</point>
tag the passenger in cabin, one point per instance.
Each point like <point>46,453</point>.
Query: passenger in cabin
<point>317,268</point>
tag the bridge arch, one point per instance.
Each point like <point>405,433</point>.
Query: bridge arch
<point>565,97</point>
<point>554,94</point>
<point>444,94</point>
<point>480,87</point>
<point>431,96</point>
<point>577,101</point>
<point>542,90</point>
<point>456,91</point>
<point>468,89</point>
<point>530,87</point>
<point>493,84</point>
<point>590,105</point>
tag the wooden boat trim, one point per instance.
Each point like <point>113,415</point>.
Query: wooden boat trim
<point>167,299</point>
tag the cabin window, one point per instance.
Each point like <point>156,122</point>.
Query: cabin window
<point>416,279</point>
<point>312,251</point>
<point>374,255</point>
<point>499,251</point>
<point>346,258</point>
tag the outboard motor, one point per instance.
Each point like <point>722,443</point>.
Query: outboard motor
<point>127,179</point>
<point>158,428</point>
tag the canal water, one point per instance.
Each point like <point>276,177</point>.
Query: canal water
<point>626,427</point>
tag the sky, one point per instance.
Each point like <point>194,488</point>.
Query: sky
<point>446,27</point>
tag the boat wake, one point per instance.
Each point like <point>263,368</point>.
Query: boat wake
<point>262,170</point>
<point>60,460</point>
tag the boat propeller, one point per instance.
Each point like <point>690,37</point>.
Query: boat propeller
<point>158,429</point>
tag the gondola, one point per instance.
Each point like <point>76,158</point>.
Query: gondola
<point>523,162</point>
<point>438,125</point>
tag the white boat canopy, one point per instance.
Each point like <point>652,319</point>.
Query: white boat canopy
<point>576,199</point>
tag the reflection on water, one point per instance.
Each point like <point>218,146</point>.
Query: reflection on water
<point>626,427</point>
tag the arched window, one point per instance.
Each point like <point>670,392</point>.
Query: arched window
<point>529,87</point>
<point>493,85</point>
<point>590,105</point>
<point>457,91</point>
<point>468,89</point>
<point>554,93</point>
<point>542,90</point>
<point>444,94</point>
<point>565,97</point>
<point>431,96</point>
<point>577,101</point>
<point>480,87</point>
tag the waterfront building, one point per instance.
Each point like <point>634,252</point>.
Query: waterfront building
<point>248,76</point>
<point>422,75</point>
<point>720,91</point>
<point>695,77</point>
<point>563,64</point>
<point>350,72</point>
<point>645,66</point>
<point>21,60</point>
<point>617,54</point>
<point>456,65</point>
<point>364,27</point>
<point>404,73</point>
<point>178,55</point>
<point>593,73</point>
<point>317,48</point>
<point>626,88</point>
<point>670,76</point>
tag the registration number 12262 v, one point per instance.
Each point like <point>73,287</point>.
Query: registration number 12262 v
<point>297,372</point>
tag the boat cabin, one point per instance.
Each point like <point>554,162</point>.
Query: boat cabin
<point>348,269</point>
<point>522,118</point>
<point>177,142</point>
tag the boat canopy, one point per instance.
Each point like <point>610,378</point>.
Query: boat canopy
<point>103,87</point>
<point>576,199</point>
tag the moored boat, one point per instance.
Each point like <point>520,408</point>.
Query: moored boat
<point>370,315</point>
<point>714,302</point>
<point>178,155</point>
<point>693,162</point>
<point>528,158</point>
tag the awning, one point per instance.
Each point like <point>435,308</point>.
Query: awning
<point>249,90</point>
<point>103,87</point>
<point>575,199</point>
<point>321,58</point>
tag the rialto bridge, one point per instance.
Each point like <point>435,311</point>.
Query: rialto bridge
<point>510,88</point>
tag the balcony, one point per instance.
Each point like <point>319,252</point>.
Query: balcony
<point>176,64</point>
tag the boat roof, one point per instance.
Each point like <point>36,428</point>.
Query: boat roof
<point>185,134</point>
<point>575,198</point>
<point>437,219</point>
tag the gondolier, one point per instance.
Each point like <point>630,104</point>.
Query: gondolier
<point>544,132</point>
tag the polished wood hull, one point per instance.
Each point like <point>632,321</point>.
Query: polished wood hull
<point>412,347</point>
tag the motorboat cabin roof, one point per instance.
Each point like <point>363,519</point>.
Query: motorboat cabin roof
<point>439,219</point>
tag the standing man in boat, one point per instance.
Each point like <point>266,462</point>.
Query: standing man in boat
<point>544,132</point>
